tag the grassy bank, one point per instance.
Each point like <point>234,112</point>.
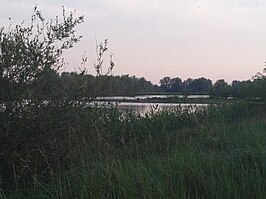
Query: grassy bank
<point>53,151</point>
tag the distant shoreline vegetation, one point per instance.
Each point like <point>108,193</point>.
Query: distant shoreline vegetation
<point>55,144</point>
<point>78,85</point>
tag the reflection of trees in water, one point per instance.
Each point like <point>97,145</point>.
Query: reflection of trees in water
<point>143,108</point>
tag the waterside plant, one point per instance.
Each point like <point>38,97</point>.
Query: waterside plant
<point>70,151</point>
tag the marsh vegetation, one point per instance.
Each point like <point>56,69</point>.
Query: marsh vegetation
<point>62,151</point>
<point>53,146</point>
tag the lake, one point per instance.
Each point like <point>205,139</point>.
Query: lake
<point>140,107</point>
<point>143,97</point>
<point>143,108</point>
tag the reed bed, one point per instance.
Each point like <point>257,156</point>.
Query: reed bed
<point>71,151</point>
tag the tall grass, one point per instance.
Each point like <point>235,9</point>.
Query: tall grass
<point>67,151</point>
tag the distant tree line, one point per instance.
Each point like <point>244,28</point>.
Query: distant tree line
<point>74,85</point>
<point>52,85</point>
<point>37,138</point>
<point>189,86</point>
<point>30,58</point>
<point>254,88</point>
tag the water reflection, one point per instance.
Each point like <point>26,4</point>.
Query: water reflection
<point>143,108</point>
<point>143,97</point>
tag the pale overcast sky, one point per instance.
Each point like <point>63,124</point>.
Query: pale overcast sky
<point>156,38</point>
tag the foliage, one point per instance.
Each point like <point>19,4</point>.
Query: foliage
<point>73,149</point>
<point>221,88</point>
<point>101,48</point>
<point>30,53</point>
<point>80,152</point>
<point>73,85</point>
<point>29,63</point>
<point>250,89</point>
<point>195,86</point>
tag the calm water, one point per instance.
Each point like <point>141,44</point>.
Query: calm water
<point>150,97</point>
<point>143,108</point>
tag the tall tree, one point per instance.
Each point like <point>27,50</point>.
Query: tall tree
<point>165,84</point>
<point>221,88</point>
<point>27,51</point>
<point>200,85</point>
<point>176,85</point>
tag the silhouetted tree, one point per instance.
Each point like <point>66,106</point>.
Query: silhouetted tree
<point>200,86</point>
<point>176,85</point>
<point>28,52</point>
<point>186,86</point>
<point>220,88</point>
<point>235,88</point>
<point>165,84</point>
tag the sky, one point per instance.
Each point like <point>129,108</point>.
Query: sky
<point>215,39</point>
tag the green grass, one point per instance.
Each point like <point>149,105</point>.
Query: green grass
<point>218,152</point>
